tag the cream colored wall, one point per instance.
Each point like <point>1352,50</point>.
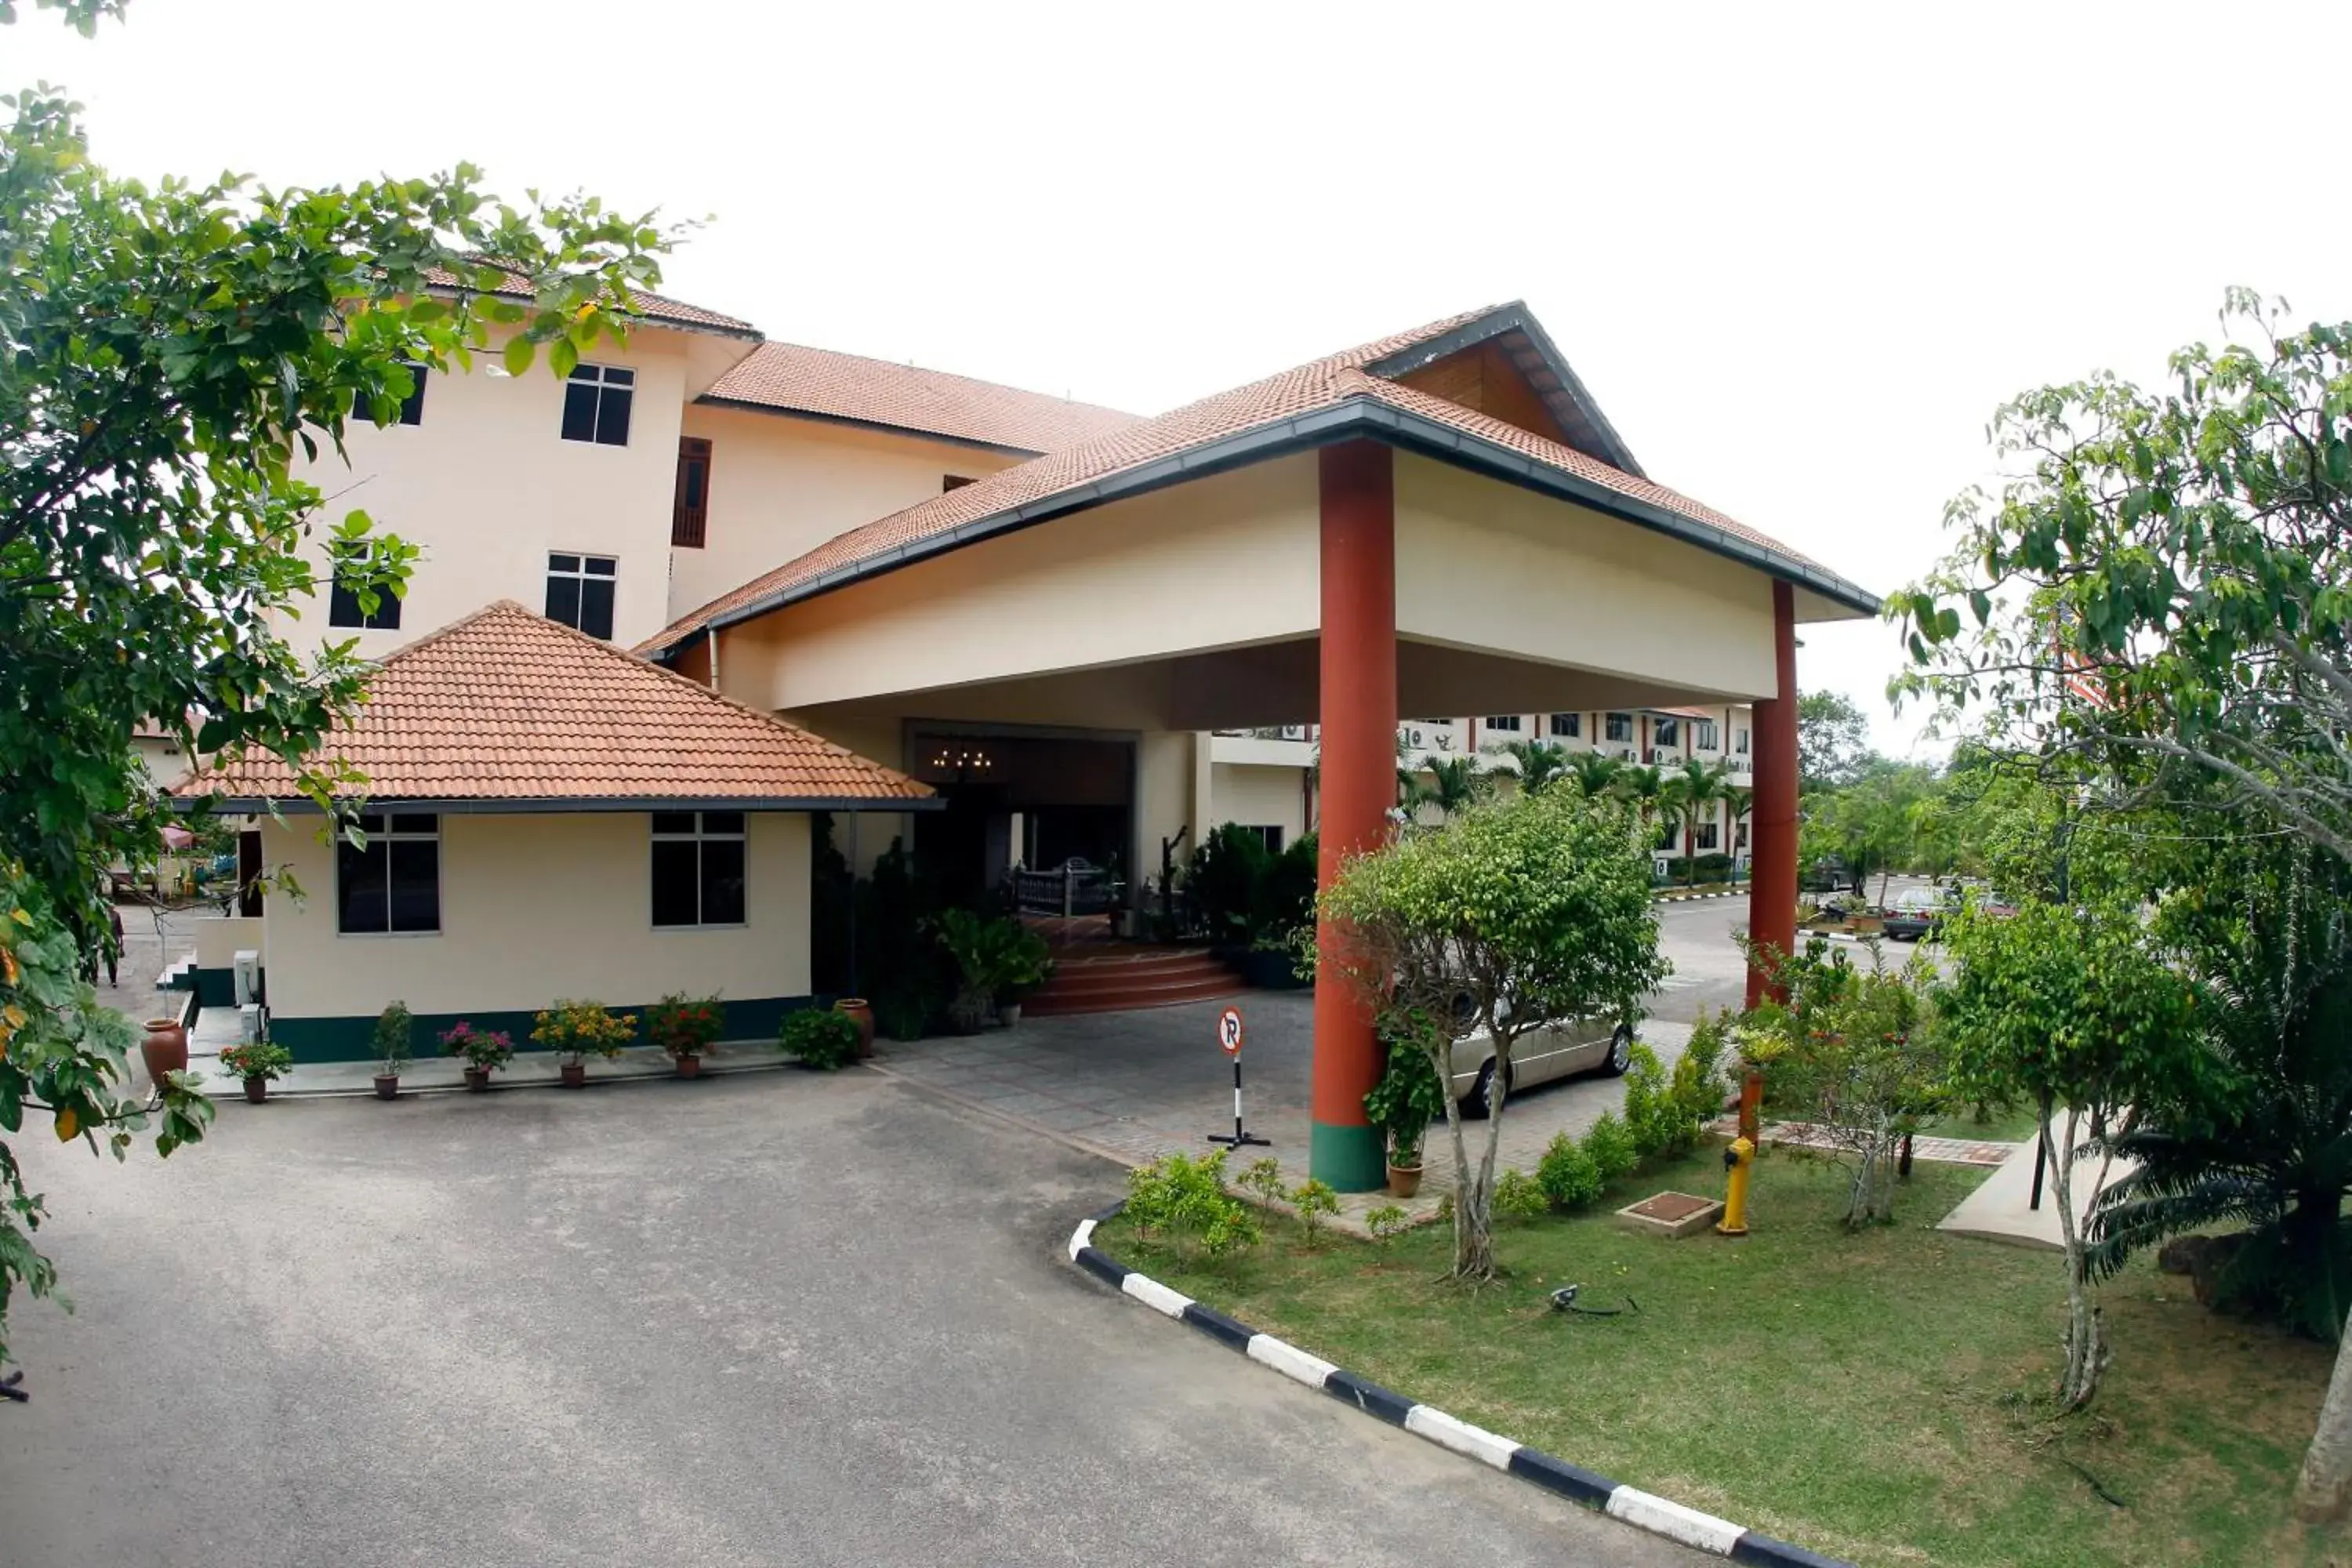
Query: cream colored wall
<point>219,939</point>
<point>1224,561</point>
<point>1484,564</point>
<point>1163,801</point>
<point>1260,796</point>
<point>780,487</point>
<point>533,908</point>
<point>161,756</point>
<point>486,486</point>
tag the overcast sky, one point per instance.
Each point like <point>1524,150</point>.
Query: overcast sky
<point>1797,254</point>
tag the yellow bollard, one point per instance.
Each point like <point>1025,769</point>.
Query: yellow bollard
<point>1737,1161</point>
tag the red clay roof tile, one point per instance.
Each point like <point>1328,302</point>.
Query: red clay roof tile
<point>799,380</point>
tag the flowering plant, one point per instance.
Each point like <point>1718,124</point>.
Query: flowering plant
<point>262,1060</point>
<point>482,1049</point>
<point>685,1026</point>
<point>583,1028</point>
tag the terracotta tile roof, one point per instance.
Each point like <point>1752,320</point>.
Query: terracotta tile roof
<point>652,306</point>
<point>1325,383</point>
<point>876,392</point>
<point>507,705</point>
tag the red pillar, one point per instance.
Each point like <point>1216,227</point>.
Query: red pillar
<point>1772,879</point>
<point>1359,715</point>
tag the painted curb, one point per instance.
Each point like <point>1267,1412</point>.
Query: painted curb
<point>1644,1510</point>
<point>1695,898</point>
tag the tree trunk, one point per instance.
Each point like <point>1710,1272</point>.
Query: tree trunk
<point>2323,1491</point>
<point>1476,1260</point>
<point>1469,1225</point>
<point>2086,1357</point>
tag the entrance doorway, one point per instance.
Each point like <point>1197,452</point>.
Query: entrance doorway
<point>1028,801</point>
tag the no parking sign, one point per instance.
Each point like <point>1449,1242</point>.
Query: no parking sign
<point>1229,1031</point>
<point>1229,1039</point>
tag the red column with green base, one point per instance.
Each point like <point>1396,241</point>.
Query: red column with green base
<point>1772,879</point>
<point>1359,718</point>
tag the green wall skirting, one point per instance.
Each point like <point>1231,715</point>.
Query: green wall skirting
<point>354,1040</point>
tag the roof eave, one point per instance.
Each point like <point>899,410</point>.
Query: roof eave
<point>916,432</point>
<point>1516,318</point>
<point>1355,417</point>
<point>743,333</point>
<point>475,806</point>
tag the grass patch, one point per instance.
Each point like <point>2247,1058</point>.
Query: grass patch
<point>1874,1397</point>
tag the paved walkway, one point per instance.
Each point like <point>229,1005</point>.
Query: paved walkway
<point>1942,1151</point>
<point>2000,1210</point>
<point>1137,1086</point>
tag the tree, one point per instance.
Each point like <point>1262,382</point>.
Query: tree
<point>1687,796</point>
<point>2072,1005</point>
<point>1596,773</point>
<point>1517,913</point>
<point>1832,742</point>
<point>1455,784</point>
<point>1536,762</point>
<point>2165,593</point>
<point>1738,800</point>
<point>1869,824</point>
<point>166,350</point>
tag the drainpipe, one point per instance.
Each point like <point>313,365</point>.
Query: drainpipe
<point>712,633</point>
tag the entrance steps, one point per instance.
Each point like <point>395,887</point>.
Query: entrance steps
<point>1122,980</point>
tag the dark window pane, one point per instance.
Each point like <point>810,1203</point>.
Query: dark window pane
<point>675,903</point>
<point>564,600</point>
<point>588,373</point>
<point>613,417</point>
<point>722,822</point>
<point>371,821</point>
<point>722,882</point>
<point>416,884</point>
<point>343,607</point>
<point>596,607</point>
<point>602,567</point>
<point>579,411</point>
<point>358,887</point>
<point>673,822</point>
<point>563,562</point>
<point>388,611</point>
<point>616,376</point>
<point>417,822</point>
<point>412,407</point>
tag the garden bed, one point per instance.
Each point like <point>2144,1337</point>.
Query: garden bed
<point>1871,1396</point>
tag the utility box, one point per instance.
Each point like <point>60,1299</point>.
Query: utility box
<point>248,967</point>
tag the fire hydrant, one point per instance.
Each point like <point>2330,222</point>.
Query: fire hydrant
<point>1736,1162</point>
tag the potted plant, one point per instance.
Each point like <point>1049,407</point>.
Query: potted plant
<point>257,1064</point>
<point>686,1026</point>
<point>483,1050</point>
<point>994,958</point>
<point>859,1011</point>
<point>818,1039</point>
<point>575,1031</point>
<point>1402,1104</point>
<point>393,1028</point>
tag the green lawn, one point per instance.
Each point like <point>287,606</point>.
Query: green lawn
<point>1869,1396</point>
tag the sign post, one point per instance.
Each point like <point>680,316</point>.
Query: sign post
<point>1229,1036</point>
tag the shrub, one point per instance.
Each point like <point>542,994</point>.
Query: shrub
<point>1315,1203</point>
<point>686,1025</point>
<point>1406,1100</point>
<point>261,1060</point>
<point>1387,1222</point>
<point>1567,1175</point>
<point>481,1049</point>
<point>1649,1108</point>
<point>583,1028</point>
<point>1517,1196</point>
<point>1179,1196</point>
<point>1610,1148</point>
<point>394,1031</point>
<point>903,1011</point>
<point>818,1037</point>
<point>1264,1178</point>
<point>996,961</point>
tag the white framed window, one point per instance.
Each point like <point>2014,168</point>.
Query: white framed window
<point>1619,726</point>
<point>1666,732</point>
<point>579,590</point>
<point>392,883</point>
<point>1268,834</point>
<point>1702,735</point>
<point>1706,835</point>
<point>1739,741</point>
<point>343,608</point>
<point>1510,721</point>
<point>697,867</point>
<point>1569,726</point>
<point>597,405</point>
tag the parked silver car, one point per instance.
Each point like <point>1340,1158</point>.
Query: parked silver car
<point>1555,1051</point>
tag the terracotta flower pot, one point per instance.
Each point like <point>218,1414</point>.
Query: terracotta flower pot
<point>575,1075</point>
<point>862,1012</point>
<point>164,1050</point>
<point>477,1079</point>
<point>690,1066</point>
<point>387,1086</point>
<point>1403,1180</point>
<point>257,1088</point>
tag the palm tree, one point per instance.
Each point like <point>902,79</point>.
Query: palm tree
<point>1537,763</point>
<point>1456,783</point>
<point>1643,786</point>
<point>1597,772</point>
<point>1741,800</point>
<point>1687,794</point>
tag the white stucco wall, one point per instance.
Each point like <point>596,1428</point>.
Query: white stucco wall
<point>486,486</point>
<point>534,907</point>
<point>780,487</point>
<point>1259,796</point>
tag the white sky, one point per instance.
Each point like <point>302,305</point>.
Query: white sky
<point>1797,254</point>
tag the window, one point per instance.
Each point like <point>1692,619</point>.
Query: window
<point>953,482</point>
<point>1504,721</point>
<point>394,883</point>
<point>580,592</point>
<point>1620,727</point>
<point>343,605</point>
<point>1739,742</point>
<point>412,407</point>
<point>1667,733</point>
<point>597,405</point>
<point>1706,835</point>
<point>1739,836</point>
<point>697,867</point>
<point>691,506</point>
<point>1702,735</point>
<point>1268,834</point>
<point>1570,725</point>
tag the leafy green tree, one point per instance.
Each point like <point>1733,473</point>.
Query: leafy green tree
<point>1455,784</point>
<point>167,351</point>
<point>1536,762</point>
<point>1738,800</point>
<point>1596,773</point>
<point>1869,824</point>
<point>1687,796</point>
<point>1517,913</point>
<point>1832,742</point>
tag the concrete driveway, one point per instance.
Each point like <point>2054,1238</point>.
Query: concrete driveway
<point>778,1319</point>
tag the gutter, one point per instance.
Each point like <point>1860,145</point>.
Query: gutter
<point>1357,416</point>
<point>303,806</point>
<point>779,411</point>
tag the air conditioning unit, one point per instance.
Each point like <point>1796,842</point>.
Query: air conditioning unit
<point>248,964</point>
<point>1294,732</point>
<point>248,1022</point>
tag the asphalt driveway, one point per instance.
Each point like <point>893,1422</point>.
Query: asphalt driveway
<point>779,1318</point>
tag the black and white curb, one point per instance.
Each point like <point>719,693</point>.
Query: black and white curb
<point>1645,1510</point>
<point>1693,897</point>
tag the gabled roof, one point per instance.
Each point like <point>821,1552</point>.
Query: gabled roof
<point>820,384</point>
<point>509,710</point>
<point>1335,398</point>
<point>658,308</point>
